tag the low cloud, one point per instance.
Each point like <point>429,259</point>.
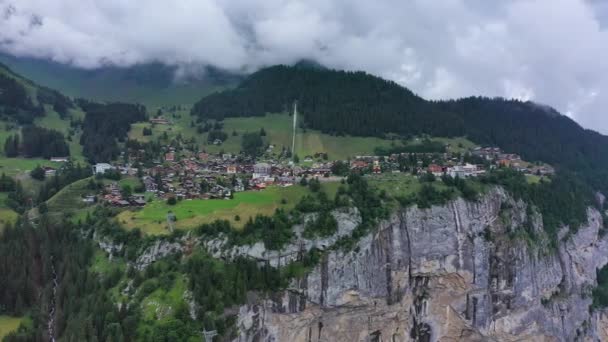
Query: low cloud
<point>549,51</point>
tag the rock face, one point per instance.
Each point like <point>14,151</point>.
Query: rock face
<point>459,272</point>
<point>347,219</point>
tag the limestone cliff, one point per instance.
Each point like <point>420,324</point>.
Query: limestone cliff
<point>459,272</point>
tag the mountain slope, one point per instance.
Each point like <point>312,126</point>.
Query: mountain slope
<point>152,84</point>
<point>356,103</point>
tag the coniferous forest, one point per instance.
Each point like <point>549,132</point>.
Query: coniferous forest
<point>356,103</point>
<point>105,125</point>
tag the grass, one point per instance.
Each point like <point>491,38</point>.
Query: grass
<point>279,133</point>
<point>103,265</point>
<point>52,120</point>
<point>161,303</point>
<point>7,216</point>
<point>69,199</point>
<point>457,145</point>
<point>192,213</point>
<point>15,166</point>
<point>133,182</point>
<point>396,184</point>
<point>9,324</point>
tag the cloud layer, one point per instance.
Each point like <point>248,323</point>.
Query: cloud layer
<point>550,51</point>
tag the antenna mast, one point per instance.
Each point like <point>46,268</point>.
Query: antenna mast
<point>295,120</point>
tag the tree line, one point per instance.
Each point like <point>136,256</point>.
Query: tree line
<point>355,103</point>
<point>105,125</point>
<point>36,141</point>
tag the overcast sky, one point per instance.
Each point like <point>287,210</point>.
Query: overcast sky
<point>549,51</point>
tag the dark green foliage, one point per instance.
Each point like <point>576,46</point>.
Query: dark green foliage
<point>147,131</point>
<point>562,200</point>
<point>252,143</point>
<point>60,103</point>
<point>314,185</point>
<point>466,190</point>
<point>600,293</point>
<point>104,125</point>
<point>429,196</point>
<point>323,225</point>
<point>15,104</point>
<point>37,173</point>
<point>217,285</point>
<point>68,174</point>
<point>340,168</point>
<point>360,104</point>
<point>43,142</point>
<point>7,184</point>
<point>425,146</point>
<point>171,200</point>
<point>274,231</point>
<point>12,145</point>
<point>217,134</point>
<point>368,105</point>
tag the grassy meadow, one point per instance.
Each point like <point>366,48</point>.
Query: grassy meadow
<point>279,133</point>
<point>9,324</point>
<point>192,213</point>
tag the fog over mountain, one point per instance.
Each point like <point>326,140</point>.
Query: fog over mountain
<point>548,51</point>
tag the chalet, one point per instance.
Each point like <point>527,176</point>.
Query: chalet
<point>59,159</point>
<point>170,157</point>
<point>487,153</point>
<point>435,170</point>
<point>231,169</point>
<point>217,142</point>
<point>101,168</point>
<point>89,199</point>
<point>376,168</point>
<point>203,156</point>
<point>159,121</point>
<point>463,171</point>
<point>49,171</point>
<point>358,164</point>
<point>261,170</point>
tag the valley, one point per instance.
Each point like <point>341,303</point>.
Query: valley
<point>138,215</point>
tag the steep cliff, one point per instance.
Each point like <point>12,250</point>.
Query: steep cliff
<point>470,271</point>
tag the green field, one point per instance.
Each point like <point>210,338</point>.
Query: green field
<point>279,133</point>
<point>69,199</point>
<point>192,213</point>
<point>15,166</point>
<point>8,325</point>
<point>53,121</point>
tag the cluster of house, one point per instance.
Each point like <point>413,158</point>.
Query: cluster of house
<point>450,164</point>
<point>209,176</point>
<point>219,176</point>
<point>113,195</point>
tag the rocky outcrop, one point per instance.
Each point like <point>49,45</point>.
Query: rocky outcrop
<point>160,249</point>
<point>465,271</point>
<point>348,219</point>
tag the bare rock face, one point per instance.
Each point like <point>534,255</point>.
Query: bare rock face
<point>348,219</point>
<point>459,272</point>
<point>158,250</point>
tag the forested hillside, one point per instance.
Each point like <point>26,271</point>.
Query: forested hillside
<point>22,101</point>
<point>356,103</point>
<point>104,125</point>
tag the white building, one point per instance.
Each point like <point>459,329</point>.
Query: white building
<point>101,168</point>
<point>462,171</point>
<point>261,170</point>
